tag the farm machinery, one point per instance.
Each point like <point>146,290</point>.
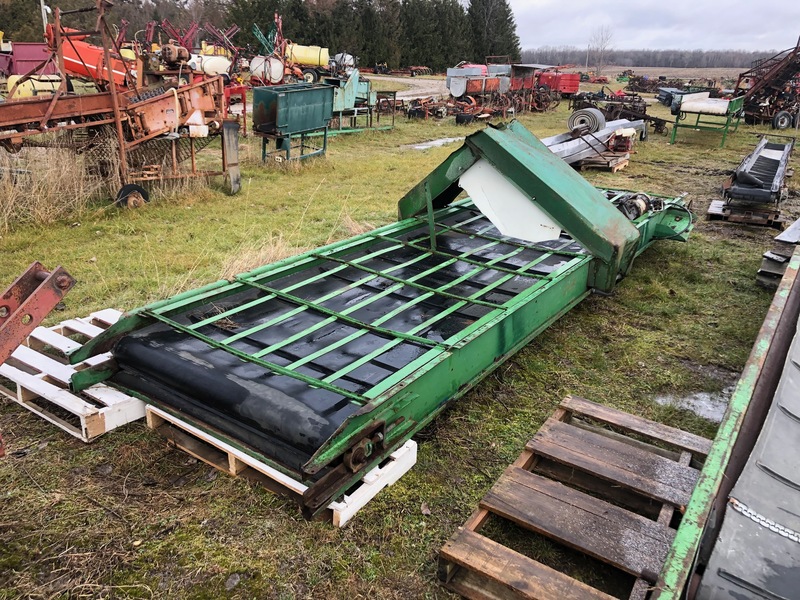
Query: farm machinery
<point>412,71</point>
<point>771,90</point>
<point>617,105</point>
<point>282,61</point>
<point>126,132</point>
<point>499,86</point>
<point>323,364</point>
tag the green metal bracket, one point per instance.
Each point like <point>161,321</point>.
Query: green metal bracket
<point>431,223</point>
<point>548,181</point>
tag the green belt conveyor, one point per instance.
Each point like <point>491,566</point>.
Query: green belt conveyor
<point>324,363</point>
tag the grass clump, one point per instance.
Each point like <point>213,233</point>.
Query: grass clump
<point>44,185</point>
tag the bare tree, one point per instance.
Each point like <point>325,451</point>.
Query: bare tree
<point>600,47</point>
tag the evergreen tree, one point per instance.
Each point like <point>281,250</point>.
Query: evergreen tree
<point>494,30</point>
<point>454,35</point>
<point>245,13</point>
<point>383,33</point>
<point>420,34</point>
<point>346,28</point>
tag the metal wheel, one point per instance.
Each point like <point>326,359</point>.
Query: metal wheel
<point>132,196</point>
<point>782,120</point>
<point>310,76</point>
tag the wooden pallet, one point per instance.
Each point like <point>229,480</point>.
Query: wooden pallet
<point>201,444</point>
<point>39,374</point>
<point>598,490</point>
<point>764,215</point>
<point>611,163</point>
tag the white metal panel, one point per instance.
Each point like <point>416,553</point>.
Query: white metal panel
<point>511,211</point>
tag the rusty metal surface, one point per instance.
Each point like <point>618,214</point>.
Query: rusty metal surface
<point>22,117</point>
<point>27,302</point>
<point>156,129</point>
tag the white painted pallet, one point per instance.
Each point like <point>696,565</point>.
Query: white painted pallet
<point>40,376</point>
<point>234,461</point>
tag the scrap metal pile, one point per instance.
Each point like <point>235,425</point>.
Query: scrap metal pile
<point>770,90</point>
<point>598,144</point>
<point>617,105</point>
<point>153,130</point>
<point>650,85</point>
<point>323,364</point>
<point>499,88</point>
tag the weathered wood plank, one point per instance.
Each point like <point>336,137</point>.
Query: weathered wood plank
<point>611,534</point>
<point>587,482</point>
<point>695,444</point>
<point>647,473</point>
<point>519,575</point>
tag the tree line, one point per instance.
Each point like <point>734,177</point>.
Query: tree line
<point>433,33</point>
<point>561,55</point>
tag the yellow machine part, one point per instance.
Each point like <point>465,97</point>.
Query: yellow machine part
<point>313,56</point>
<point>207,49</point>
<point>35,86</point>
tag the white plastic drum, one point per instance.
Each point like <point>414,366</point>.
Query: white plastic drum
<point>210,65</point>
<point>268,69</point>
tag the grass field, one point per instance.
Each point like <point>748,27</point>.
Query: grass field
<point>129,517</point>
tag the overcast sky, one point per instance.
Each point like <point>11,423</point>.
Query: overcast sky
<point>661,24</point>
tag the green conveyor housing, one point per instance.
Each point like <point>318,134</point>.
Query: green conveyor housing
<point>324,363</point>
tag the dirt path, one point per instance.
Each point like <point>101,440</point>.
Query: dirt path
<point>419,87</point>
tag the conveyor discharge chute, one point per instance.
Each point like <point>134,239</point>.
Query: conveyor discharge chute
<point>324,363</point>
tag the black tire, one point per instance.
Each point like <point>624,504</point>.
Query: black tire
<point>310,75</point>
<point>132,196</point>
<point>464,119</point>
<point>782,120</point>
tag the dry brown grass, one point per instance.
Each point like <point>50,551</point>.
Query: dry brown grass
<point>44,185</point>
<point>279,245</point>
<point>274,248</point>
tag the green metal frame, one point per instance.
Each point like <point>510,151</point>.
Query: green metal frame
<point>411,397</point>
<point>571,201</point>
<point>709,123</point>
<point>283,145</point>
<point>681,560</point>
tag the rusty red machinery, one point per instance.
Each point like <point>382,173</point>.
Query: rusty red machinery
<point>771,90</point>
<point>502,86</point>
<point>25,304</point>
<point>154,129</point>
<point>83,59</point>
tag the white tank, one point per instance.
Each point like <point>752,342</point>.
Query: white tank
<point>210,65</point>
<point>268,69</point>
